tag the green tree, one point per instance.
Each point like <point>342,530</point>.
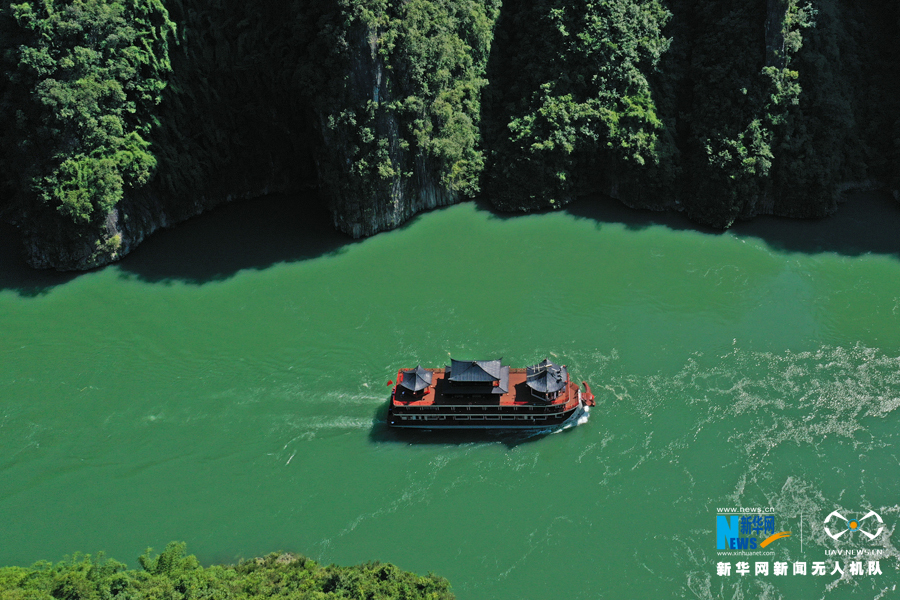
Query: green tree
<point>83,83</point>
<point>571,87</point>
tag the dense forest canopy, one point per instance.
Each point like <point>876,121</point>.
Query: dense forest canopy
<point>121,116</point>
<point>174,575</point>
<point>573,92</point>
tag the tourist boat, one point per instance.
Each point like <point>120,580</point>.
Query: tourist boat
<point>485,394</point>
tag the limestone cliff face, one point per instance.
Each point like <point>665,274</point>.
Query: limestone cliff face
<point>273,116</point>
<point>764,107</point>
<point>229,126</point>
<point>403,181</point>
<point>52,244</point>
<point>400,132</point>
<point>777,124</point>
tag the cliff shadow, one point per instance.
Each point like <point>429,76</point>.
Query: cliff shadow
<point>603,209</point>
<point>247,234</point>
<point>17,276</point>
<point>865,222</point>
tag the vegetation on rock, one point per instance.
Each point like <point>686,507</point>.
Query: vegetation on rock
<point>174,575</point>
<point>120,116</point>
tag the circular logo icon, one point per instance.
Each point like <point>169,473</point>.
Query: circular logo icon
<point>852,525</point>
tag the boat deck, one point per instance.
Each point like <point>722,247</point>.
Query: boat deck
<point>519,394</point>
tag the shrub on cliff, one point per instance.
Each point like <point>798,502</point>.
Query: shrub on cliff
<point>84,77</point>
<point>172,574</point>
<point>570,84</point>
<point>402,111</point>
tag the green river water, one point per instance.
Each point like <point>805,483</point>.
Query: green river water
<point>225,385</point>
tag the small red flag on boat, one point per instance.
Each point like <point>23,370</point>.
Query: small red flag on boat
<point>390,382</point>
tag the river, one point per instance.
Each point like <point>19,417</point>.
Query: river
<point>225,385</point>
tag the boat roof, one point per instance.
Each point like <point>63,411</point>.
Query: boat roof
<point>499,386</point>
<point>546,377</point>
<point>475,371</point>
<point>416,379</point>
<point>442,392</point>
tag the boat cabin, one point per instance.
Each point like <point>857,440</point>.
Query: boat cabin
<point>483,394</point>
<point>546,380</point>
<point>415,381</point>
<point>476,378</point>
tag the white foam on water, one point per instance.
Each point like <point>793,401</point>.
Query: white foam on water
<point>309,428</point>
<point>823,417</point>
<point>341,423</point>
<point>579,417</point>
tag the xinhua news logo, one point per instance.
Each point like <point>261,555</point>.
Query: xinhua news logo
<point>746,531</point>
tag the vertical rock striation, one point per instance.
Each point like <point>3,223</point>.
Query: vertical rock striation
<point>389,179</point>
<point>119,117</point>
<point>400,127</point>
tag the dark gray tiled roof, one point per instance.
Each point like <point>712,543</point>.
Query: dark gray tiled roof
<point>475,370</point>
<point>416,379</point>
<point>545,377</point>
<point>483,387</point>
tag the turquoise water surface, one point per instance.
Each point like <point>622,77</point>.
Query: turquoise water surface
<point>225,385</point>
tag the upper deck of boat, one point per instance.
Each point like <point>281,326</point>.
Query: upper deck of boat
<point>519,393</point>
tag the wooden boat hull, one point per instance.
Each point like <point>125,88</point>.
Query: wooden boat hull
<point>483,420</point>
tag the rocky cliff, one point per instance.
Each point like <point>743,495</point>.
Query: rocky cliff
<point>400,127</point>
<point>119,118</point>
